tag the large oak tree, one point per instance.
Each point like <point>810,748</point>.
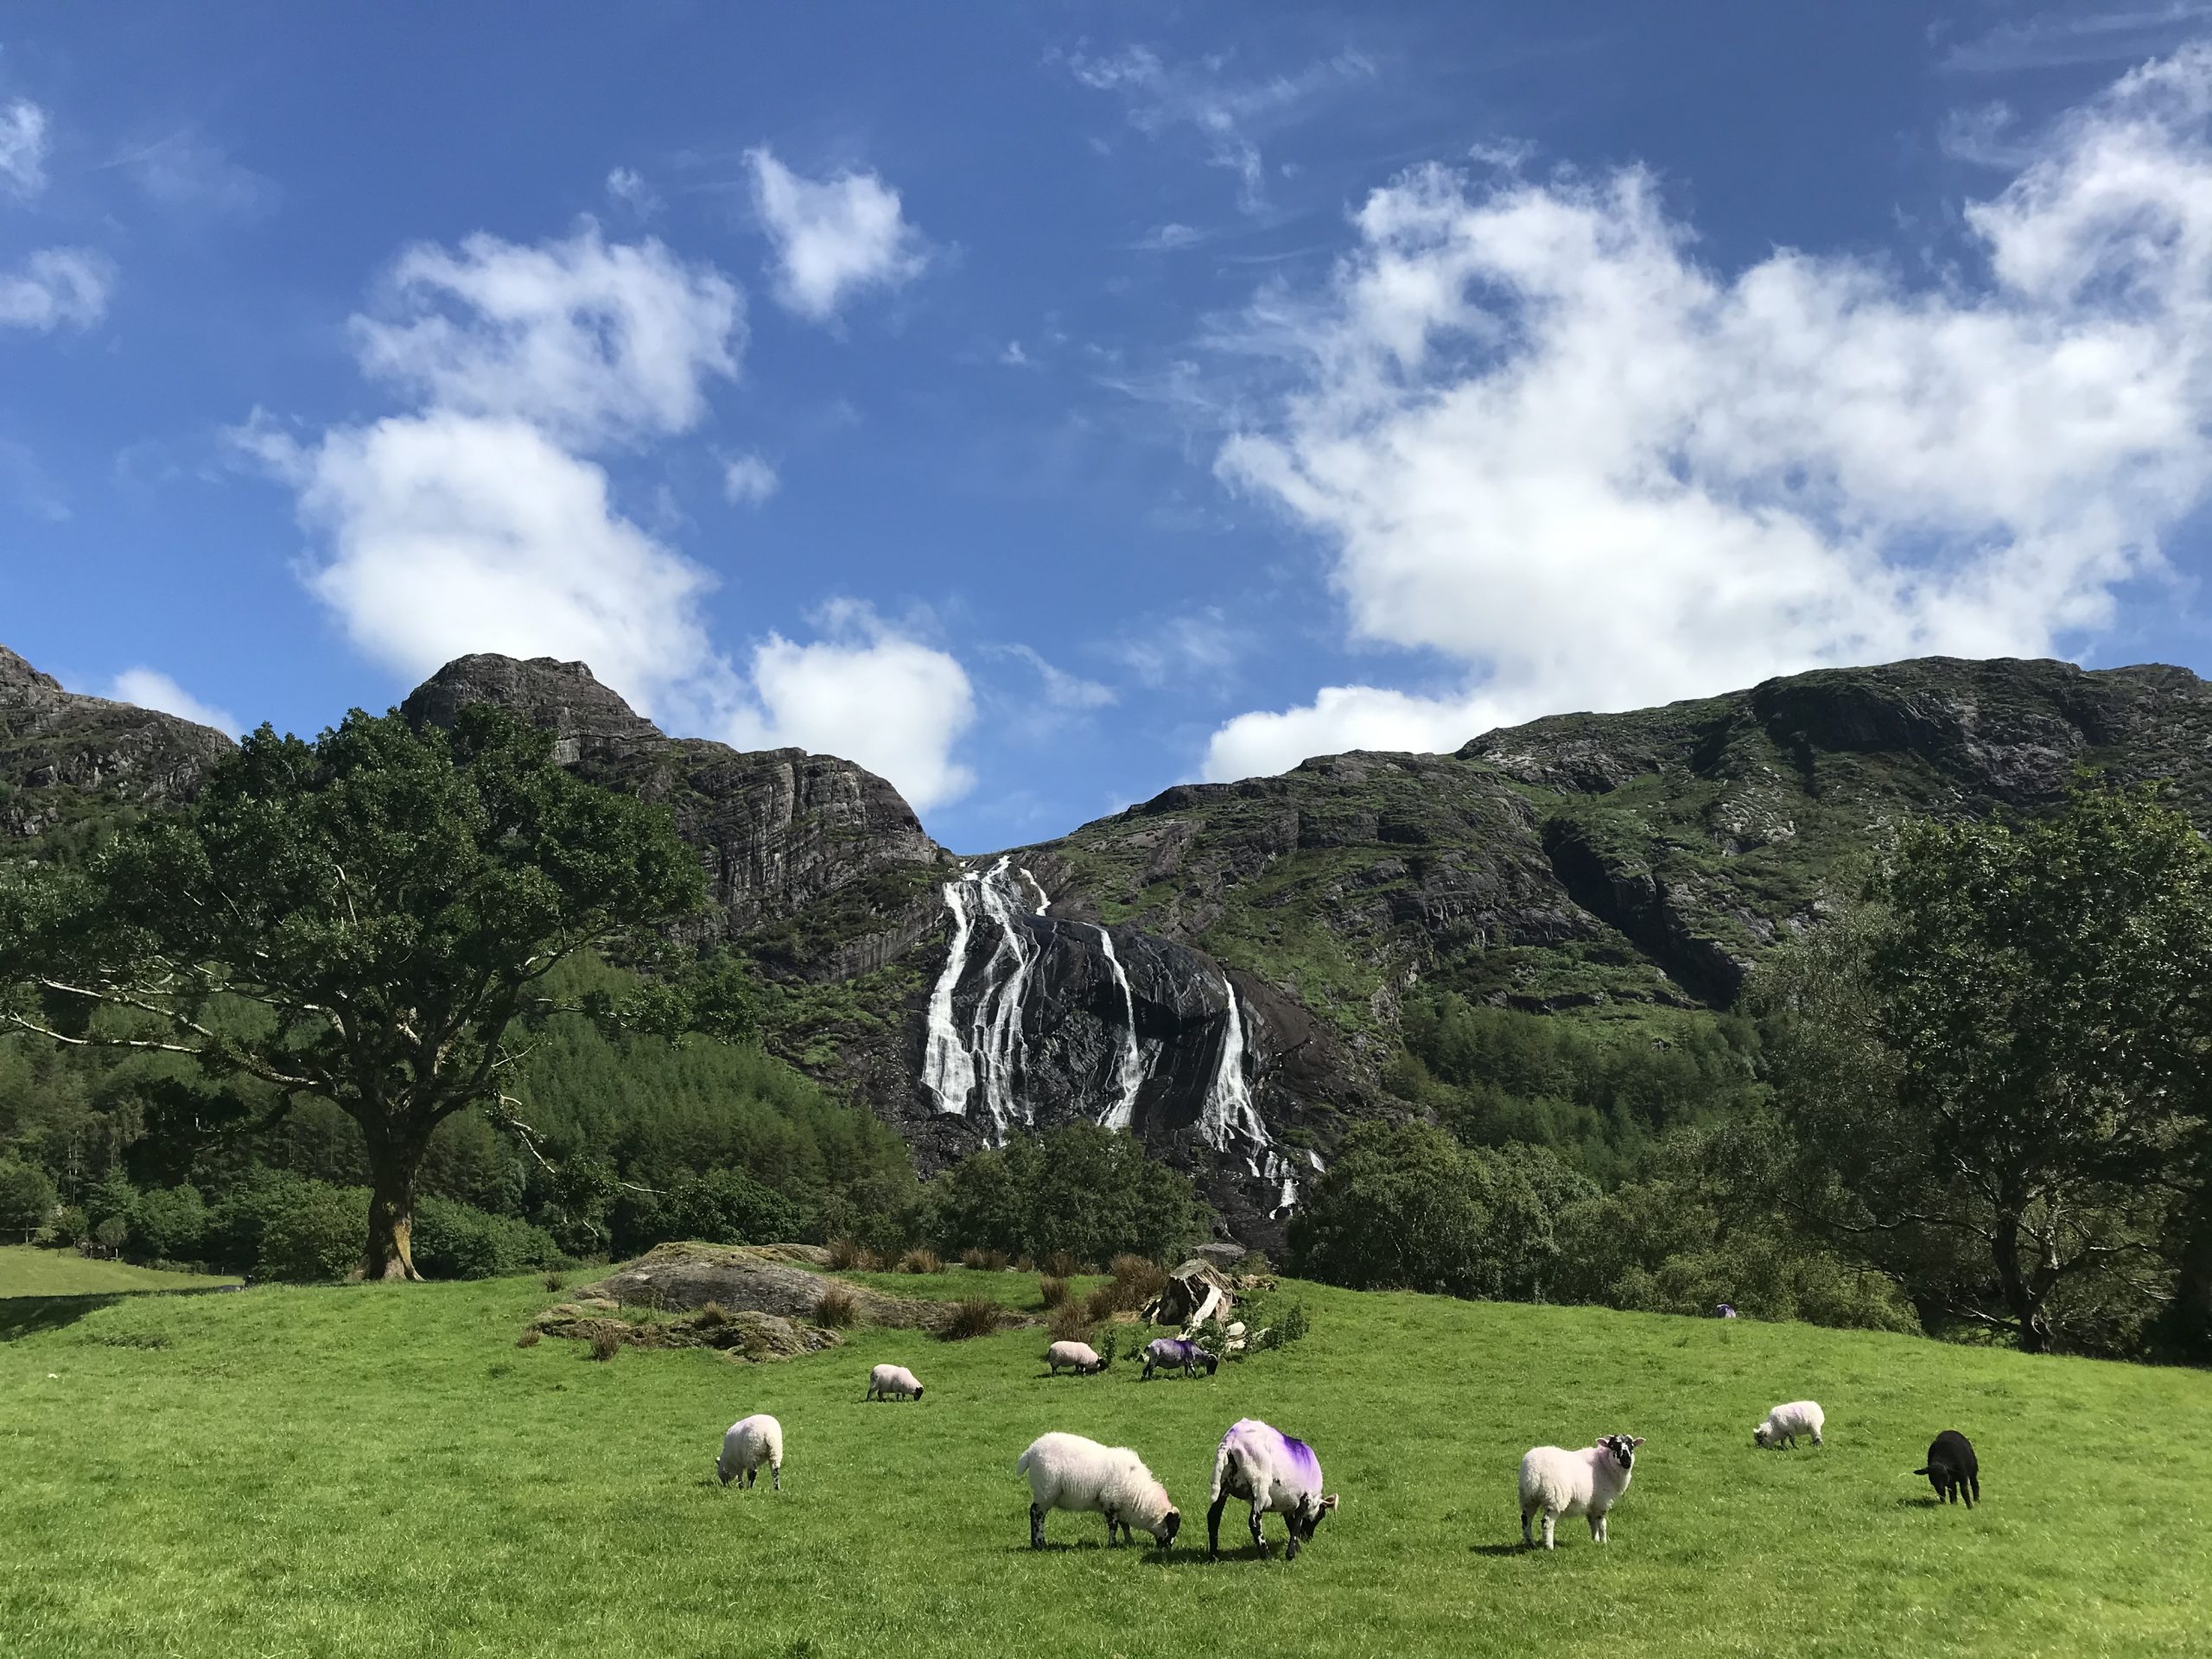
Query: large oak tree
<point>370,917</point>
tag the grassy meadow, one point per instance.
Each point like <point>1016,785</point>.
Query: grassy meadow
<point>373,1470</point>
<point>27,1270</point>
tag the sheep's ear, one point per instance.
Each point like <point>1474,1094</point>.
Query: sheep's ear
<point>1635,1441</point>
<point>1330,1502</point>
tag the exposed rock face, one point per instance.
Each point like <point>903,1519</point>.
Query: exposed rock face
<point>64,757</point>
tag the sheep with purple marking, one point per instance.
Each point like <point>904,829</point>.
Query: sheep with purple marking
<point>1555,1482</point>
<point>1067,1471</point>
<point>1785,1423</point>
<point>750,1442</point>
<point>1168,1353</point>
<point>1078,1357</point>
<point>891,1381</point>
<point>1276,1475</point>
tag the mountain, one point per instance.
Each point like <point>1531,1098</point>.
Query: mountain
<point>1221,968</point>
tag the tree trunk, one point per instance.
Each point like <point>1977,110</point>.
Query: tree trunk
<point>392,1167</point>
<point>2019,1296</point>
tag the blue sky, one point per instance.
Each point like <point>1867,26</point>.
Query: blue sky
<point>1045,403</point>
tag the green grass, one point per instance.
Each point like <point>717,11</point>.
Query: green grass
<point>371,1470</point>
<point>26,1270</point>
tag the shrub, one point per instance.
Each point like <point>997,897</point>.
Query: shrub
<point>1069,1324</point>
<point>72,1225</point>
<point>919,1259</point>
<point>973,1316</point>
<point>712,1315</point>
<point>1061,1264</point>
<point>604,1344</point>
<point>1109,1343</point>
<point>724,1206</point>
<point>1103,1303</point>
<point>838,1307</point>
<point>27,1196</point>
<point>1053,1291</point>
<point>456,1241</point>
<point>1254,1265</point>
<point>528,1339</point>
<point>171,1223</point>
<point>316,1233</point>
<point>111,1233</point>
<point>846,1253</point>
<point>1025,1264</point>
<point>985,1260</point>
<point>1082,1190</point>
<point>1137,1280</point>
<point>555,1281</point>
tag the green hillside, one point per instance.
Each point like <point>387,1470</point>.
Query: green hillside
<point>369,1471</point>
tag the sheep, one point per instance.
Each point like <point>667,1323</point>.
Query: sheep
<point>1951,1468</point>
<point>886,1381</point>
<point>1068,1472</point>
<point>751,1442</point>
<point>1273,1473</point>
<point>1588,1483</point>
<point>1164,1352</point>
<point>1078,1357</point>
<point>1724,1310</point>
<point>1785,1423</point>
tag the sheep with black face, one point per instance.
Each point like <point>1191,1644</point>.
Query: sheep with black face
<point>1952,1469</point>
<point>1276,1475</point>
<point>1554,1481</point>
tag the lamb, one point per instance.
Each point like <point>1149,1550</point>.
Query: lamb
<point>1078,1357</point>
<point>886,1380</point>
<point>1951,1468</point>
<point>1785,1423</point>
<point>1589,1483</point>
<point>1276,1475</point>
<point>1068,1472</point>
<point>1164,1352</point>
<point>751,1442</point>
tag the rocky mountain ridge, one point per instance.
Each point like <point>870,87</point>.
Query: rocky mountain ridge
<point>1220,970</point>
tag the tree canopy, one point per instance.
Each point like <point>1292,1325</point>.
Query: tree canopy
<point>369,919</point>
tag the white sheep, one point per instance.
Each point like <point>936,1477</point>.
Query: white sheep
<point>1078,1357</point>
<point>1068,1472</point>
<point>1276,1475</point>
<point>1589,1482</point>
<point>1785,1423</point>
<point>751,1442</point>
<point>886,1380</point>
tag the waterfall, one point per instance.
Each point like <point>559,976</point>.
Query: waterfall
<point>1231,1122</point>
<point>997,1039</point>
<point>1122,1114</point>
<point>946,1070</point>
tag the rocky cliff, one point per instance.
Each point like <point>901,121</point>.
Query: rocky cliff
<point>1221,968</point>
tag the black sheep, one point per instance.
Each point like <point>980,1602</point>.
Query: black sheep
<point>1951,1469</point>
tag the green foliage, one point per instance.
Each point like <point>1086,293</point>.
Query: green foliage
<point>1082,1190</point>
<point>721,1206</point>
<point>1405,1206</point>
<point>1994,1081</point>
<point>312,1232</point>
<point>452,1240</point>
<point>170,1224</point>
<point>28,1198</point>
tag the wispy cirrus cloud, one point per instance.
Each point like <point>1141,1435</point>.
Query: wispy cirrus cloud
<point>56,287</point>
<point>2048,39</point>
<point>22,147</point>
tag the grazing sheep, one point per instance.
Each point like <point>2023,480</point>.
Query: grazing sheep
<point>751,1442</point>
<point>886,1380</point>
<point>1724,1310</point>
<point>1589,1482</point>
<point>1951,1468</point>
<point>1273,1473</point>
<point>1785,1423</point>
<point>1165,1353</point>
<point>1078,1357</point>
<point>1068,1472</point>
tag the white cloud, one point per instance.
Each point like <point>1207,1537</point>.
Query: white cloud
<point>22,148</point>
<point>149,689</point>
<point>1064,690</point>
<point>187,171</point>
<point>833,238</point>
<point>1540,440</point>
<point>627,186</point>
<point>1202,647</point>
<point>56,287</point>
<point>2056,37</point>
<point>748,481</point>
<point>449,533</point>
<point>1230,116</point>
<point>593,341</point>
<point>1167,238</point>
<point>867,693</point>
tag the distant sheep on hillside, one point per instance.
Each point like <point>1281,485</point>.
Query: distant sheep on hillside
<point>750,1442</point>
<point>888,1382</point>
<point>1785,1423</point>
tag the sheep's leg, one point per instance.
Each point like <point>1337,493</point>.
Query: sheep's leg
<point>1213,1524</point>
<point>1290,1549</point>
<point>1974,1484</point>
<point>776,1477</point>
<point>1816,1437</point>
<point>1526,1540</point>
<point>1598,1527</point>
<point>1036,1526</point>
<point>1259,1538</point>
<point>1551,1523</point>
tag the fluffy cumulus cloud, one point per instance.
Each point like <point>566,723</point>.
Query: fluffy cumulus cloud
<point>834,238</point>
<point>56,287</point>
<point>747,481</point>
<point>590,339</point>
<point>151,689</point>
<point>22,148</point>
<point>1540,439</point>
<point>868,693</point>
<point>480,520</point>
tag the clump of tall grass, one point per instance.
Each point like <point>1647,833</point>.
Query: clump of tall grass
<point>838,1307</point>
<point>920,1259</point>
<point>973,1316</point>
<point>1054,1292</point>
<point>1069,1323</point>
<point>605,1345</point>
<point>985,1260</point>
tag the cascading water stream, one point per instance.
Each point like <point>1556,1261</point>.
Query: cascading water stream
<point>947,1070</point>
<point>1230,1123</point>
<point>997,1039</point>
<point>1122,1114</point>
